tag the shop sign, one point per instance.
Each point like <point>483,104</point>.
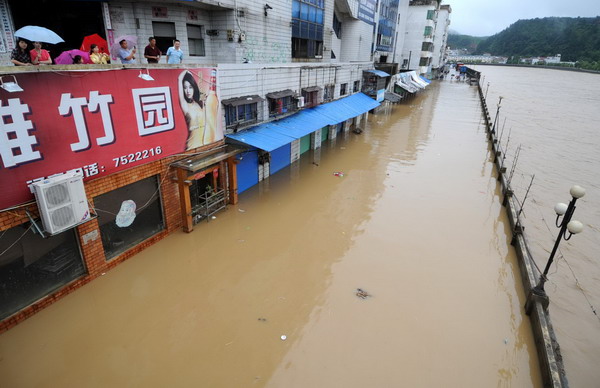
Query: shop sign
<point>380,95</point>
<point>101,122</point>
<point>366,11</point>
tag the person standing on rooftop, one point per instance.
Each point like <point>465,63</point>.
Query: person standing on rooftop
<point>152,53</point>
<point>174,54</point>
<point>125,55</point>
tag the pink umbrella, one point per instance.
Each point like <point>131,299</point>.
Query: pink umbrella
<point>66,57</point>
<point>115,47</point>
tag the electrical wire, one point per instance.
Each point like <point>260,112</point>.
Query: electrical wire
<point>16,241</point>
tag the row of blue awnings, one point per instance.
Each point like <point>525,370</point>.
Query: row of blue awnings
<point>275,134</point>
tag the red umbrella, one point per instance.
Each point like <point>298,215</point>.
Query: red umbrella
<point>96,39</point>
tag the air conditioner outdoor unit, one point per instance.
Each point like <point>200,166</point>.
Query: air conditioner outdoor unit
<point>300,102</point>
<point>62,202</point>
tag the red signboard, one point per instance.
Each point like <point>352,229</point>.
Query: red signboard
<point>101,122</point>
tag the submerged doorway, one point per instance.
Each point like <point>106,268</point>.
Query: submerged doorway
<point>206,194</point>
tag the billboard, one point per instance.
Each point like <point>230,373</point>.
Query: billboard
<point>101,122</point>
<point>367,10</point>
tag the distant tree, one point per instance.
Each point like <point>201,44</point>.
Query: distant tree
<point>576,39</point>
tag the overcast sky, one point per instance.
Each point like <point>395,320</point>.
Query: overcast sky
<point>487,17</point>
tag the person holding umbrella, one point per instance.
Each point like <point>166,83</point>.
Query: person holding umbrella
<point>39,56</point>
<point>19,56</point>
<point>37,34</point>
<point>125,55</point>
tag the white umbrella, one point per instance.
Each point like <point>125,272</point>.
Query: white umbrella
<point>38,34</point>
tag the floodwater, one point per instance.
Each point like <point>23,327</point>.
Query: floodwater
<point>554,115</point>
<point>415,221</point>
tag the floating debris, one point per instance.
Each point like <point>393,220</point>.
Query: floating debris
<point>283,337</point>
<point>338,173</point>
<point>241,211</point>
<point>362,293</point>
<point>262,319</point>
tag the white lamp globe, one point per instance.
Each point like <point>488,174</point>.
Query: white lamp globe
<point>560,208</point>
<point>575,227</point>
<point>577,191</point>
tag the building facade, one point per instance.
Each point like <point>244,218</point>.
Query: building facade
<point>420,31</point>
<point>161,147</point>
<point>440,39</point>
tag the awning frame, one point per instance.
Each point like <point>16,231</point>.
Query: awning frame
<point>282,94</point>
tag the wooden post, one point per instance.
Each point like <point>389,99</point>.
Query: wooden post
<point>185,201</point>
<point>233,185</point>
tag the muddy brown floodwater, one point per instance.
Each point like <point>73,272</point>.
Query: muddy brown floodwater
<point>415,221</point>
<point>554,116</point>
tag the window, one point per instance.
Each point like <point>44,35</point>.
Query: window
<point>428,31</point>
<point>424,61</point>
<point>304,48</point>
<point>32,267</point>
<point>280,106</point>
<point>427,46</point>
<point>343,88</point>
<point>164,32</point>
<point>311,96</point>
<point>282,102</point>
<point>356,86</point>
<point>328,92</point>
<point>307,28</point>
<point>430,14</point>
<point>337,26</point>
<point>148,220</point>
<point>236,116</point>
<point>195,40</point>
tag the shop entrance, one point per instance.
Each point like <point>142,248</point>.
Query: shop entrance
<point>206,195</point>
<point>206,183</point>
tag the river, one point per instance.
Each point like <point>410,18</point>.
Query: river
<point>555,116</point>
<point>266,294</point>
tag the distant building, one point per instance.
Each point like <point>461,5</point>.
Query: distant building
<point>441,37</point>
<point>420,27</point>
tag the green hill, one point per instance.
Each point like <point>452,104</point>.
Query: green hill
<point>468,42</point>
<point>576,39</point>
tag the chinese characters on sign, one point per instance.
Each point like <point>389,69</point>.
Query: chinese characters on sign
<point>366,11</point>
<point>96,131</point>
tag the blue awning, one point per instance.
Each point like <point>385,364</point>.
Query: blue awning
<point>275,134</point>
<point>378,72</point>
<point>425,79</point>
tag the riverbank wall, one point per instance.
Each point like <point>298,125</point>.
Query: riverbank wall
<point>548,349</point>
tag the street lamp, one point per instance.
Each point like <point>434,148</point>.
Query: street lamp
<point>497,112</point>
<point>574,227</point>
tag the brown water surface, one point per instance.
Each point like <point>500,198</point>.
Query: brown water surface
<point>554,115</point>
<point>415,221</point>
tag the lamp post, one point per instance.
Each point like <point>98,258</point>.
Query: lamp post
<point>497,112</point>
<point>566,211</point>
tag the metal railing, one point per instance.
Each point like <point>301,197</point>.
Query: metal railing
<point>209,203</point>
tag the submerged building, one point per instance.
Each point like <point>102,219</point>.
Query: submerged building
<point>110,159</point>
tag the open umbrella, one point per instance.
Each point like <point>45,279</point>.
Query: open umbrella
<point>96,39</point>
<point>38,34</point>
<point>131,42</point>
<point>66,57</point>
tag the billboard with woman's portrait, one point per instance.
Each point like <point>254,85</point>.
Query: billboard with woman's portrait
<point>101,122</point>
